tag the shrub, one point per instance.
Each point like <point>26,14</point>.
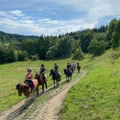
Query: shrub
<point>34,57</point>
<point>22,55</point>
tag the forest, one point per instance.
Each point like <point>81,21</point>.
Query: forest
<point>96,41</point>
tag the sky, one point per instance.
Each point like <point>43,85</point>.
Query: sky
<point>55,17</point>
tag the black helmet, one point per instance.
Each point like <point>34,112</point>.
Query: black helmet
<point>55,63</point>
<point>42,65</point>
<point>29,69</point>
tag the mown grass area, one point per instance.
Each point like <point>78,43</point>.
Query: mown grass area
<point>14,73</point>
<point>97,95</point>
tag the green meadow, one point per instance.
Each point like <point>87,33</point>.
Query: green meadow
<point>14,73</point>
<point>97,95</point>
<point>94,97</point>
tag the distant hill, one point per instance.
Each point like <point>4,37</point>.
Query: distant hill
<point>7,37</point>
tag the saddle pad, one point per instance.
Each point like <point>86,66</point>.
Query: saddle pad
<point>35,84</point>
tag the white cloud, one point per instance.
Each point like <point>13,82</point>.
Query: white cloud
<point>18,21</point>
<point>16,13</point>
<point>41,26</point>
<point>99,8</point>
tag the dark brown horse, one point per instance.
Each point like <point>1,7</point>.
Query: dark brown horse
<point>68,74</point>
<point>55,77</point>
<point>25,88</point>
<point>78,68</point>
<point>41,81</point>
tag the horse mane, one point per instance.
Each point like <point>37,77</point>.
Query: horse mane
<point>53,72</point>
<point>23,84</point>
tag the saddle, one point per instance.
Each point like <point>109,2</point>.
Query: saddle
<point>44,77</point>
<point>30,83</point>
<point>57,73</point>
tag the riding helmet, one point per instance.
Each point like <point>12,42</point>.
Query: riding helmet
<point>42,65</point>
<point>29,69</point>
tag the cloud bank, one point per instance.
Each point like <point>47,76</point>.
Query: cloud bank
<point>55,17</point>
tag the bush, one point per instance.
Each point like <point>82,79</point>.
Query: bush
<point>78,54</point>
<point>22,55</point>
<point>34,57</point>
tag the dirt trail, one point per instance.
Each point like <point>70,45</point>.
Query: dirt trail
<point>48,111</point>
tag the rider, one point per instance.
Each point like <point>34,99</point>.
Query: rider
<point>28,79</point>
<point>56,69</point>
<point>42,72</point>
<point>69,68</point>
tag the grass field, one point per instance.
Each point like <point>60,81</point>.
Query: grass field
<point>97,95</point>
<point>13,73</point>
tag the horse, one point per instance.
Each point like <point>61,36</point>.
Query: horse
<point>68,74</point>
<point>78,68</point>
<point>25,88</point>
<point>41,80</point>
<point>73,67</point>
<point>55,77</point>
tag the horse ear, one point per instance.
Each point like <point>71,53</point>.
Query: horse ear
<point>17,86</point>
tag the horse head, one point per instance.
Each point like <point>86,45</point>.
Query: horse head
<point>20,89</point>
<point>65,71</point>
<point>23,88</point>
<point>51,72</point>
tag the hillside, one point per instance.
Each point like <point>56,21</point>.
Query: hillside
<point>97,95</point>
<point>8,37</point>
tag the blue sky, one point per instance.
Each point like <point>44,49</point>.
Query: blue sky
<point>54,17</point>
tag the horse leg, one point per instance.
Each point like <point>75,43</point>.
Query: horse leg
<point>57,82</point>
<point>54,82</point>
<point>46,85</point>
<point>66,77</point>
<point>42,88</point>
<point>37,89</point>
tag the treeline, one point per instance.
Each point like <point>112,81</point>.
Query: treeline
<point>75,44</point>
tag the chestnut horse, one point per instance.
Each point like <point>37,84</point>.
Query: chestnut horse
<point>55,77</point>
<point>25,88</point>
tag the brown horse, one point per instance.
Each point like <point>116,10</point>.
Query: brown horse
<point>55,77</point>
<point>41,81</point>
<point>25,88</point>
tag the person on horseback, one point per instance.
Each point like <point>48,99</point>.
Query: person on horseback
<point>69,68</point>
<point>28,79</point>
<point>42,72</point>
<point>56,69</point>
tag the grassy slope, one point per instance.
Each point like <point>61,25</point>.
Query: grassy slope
<point>97,95</point>
<point>13,73</point>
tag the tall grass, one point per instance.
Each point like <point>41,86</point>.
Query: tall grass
<point>97,95</point>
